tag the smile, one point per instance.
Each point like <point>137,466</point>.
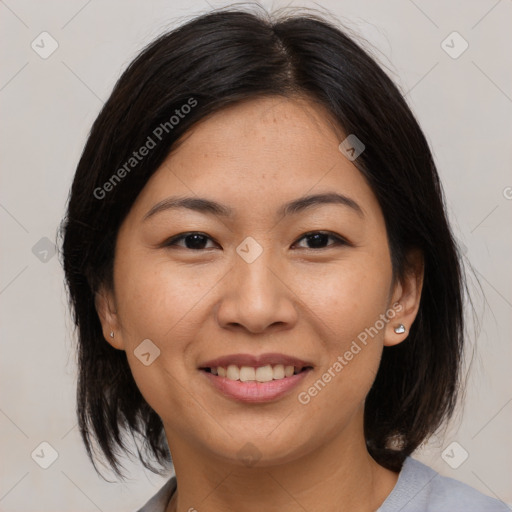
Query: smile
<point>255,378</point>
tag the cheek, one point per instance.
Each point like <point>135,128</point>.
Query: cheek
<point>157,299</point>
<point>349,297</point>
<point>165,303</point>
<point>157,302</point>
<point>350,302</point>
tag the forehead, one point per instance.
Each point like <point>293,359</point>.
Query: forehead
<point>260,152</point>
<point>276,125</point>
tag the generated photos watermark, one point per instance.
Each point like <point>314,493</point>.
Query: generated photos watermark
<point>304,397</point>
<point>151,142</point>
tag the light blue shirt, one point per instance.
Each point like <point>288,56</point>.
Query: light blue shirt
<point>421,489</point>
<point>418,489</point>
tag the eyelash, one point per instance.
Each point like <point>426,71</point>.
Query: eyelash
<point>339,240</point>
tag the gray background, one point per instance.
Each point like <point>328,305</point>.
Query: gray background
<point>464,105</point>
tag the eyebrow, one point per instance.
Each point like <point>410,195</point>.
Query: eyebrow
<point>209,207</point>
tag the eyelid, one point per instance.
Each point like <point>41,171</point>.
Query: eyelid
<point>170,242</point>
<point>339,239</point>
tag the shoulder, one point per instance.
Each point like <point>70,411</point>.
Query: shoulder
<point>421,489</point>
<point>159,501</point>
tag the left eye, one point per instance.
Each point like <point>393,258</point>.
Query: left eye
<point>318,238</point>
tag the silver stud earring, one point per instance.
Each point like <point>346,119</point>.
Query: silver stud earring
<point>111,334</point>
<point>400,329</point>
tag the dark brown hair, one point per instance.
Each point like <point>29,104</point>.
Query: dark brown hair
<point>218,59</point>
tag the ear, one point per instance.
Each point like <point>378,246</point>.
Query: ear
<point>104,302</point>
<point>405,299</point>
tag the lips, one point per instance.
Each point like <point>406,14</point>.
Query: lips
<point>249,378</point>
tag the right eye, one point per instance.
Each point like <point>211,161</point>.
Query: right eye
<point>194,241</point>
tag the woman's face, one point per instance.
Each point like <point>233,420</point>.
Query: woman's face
<point>252,290</point>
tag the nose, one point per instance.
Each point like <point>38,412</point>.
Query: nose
<point>257,298</point>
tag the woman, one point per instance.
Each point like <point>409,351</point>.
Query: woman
<point>281,373</point>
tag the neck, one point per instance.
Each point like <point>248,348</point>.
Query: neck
<point>338,476</point>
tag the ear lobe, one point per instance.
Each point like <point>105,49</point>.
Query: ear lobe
<point>105,307</point>
<point>406,297</point>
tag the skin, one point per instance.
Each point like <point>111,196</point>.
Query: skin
<point>294,299</point>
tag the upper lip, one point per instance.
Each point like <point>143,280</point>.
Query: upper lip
<point>252,360</point>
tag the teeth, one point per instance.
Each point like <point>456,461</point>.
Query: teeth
<point>233,372</point>
<point>247,373</point>
<point>261,374</point>
<point>278,372</point>
<point>264,373</point>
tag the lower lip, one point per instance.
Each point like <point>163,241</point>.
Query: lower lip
<point>255,392</point>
